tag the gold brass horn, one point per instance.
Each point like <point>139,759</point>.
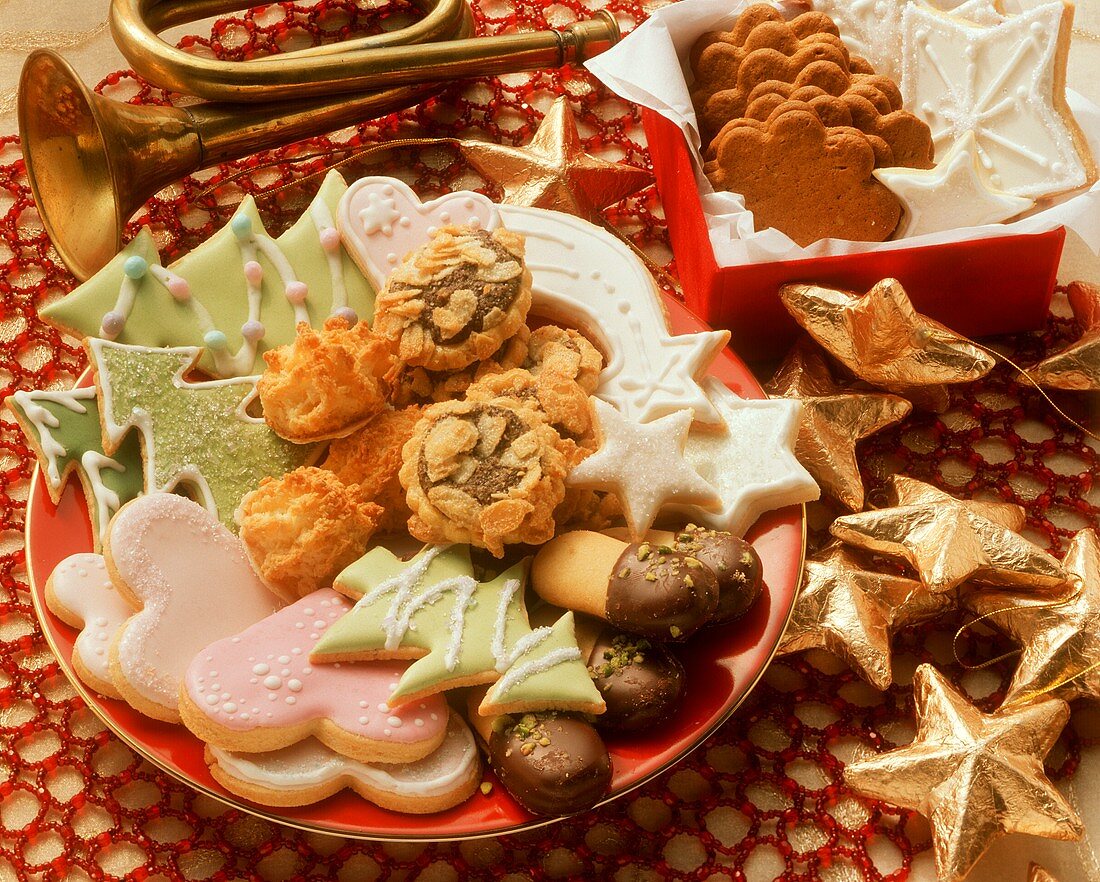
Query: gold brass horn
<point>92,161</point>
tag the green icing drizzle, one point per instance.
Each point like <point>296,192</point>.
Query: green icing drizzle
<point>469,631</point>
<point>193,434</point>
<point>214,273</point>
<point>64,430</point>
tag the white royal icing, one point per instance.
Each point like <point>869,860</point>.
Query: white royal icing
<point>310,764</point>
<point>1000,83</point>
<point>45,422</point>
<point>643,464</point>
<point>81,586</point>
<point>751,462</point>
<point>952,195</point>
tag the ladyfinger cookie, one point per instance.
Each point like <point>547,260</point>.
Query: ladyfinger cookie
<point>647,589</point>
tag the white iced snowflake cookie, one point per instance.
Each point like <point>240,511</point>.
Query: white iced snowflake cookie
<point>82,595</point>
<point>190,579</point>
<point>1006,84</point>
<point>308,772</point>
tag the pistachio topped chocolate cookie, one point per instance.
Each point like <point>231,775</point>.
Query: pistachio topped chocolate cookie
<point>641,682</point>
<point>735,563</point>
<point>455,300</point>
<point>488,473</point>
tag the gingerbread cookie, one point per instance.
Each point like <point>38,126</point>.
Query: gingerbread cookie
<point>303,528</point>
<point>457,299</point>
<point>367,463</point>
<point>651,590</point>
<point>326,383</point>
<point>808,181</point>
<point>257,690</point>
<point>308,772</point>
<point>485,472</point>
<point>191,581</point>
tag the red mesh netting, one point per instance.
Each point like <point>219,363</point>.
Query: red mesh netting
<point>761,799</point>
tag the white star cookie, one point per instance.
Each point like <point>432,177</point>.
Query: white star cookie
<point>1006,84</point>
<point>872,28</point>
<point>643,464</point>
<point>952,195</point>
<point>751,462</point>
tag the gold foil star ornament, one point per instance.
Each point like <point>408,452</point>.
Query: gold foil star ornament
<point>1078,367</point>
<point>852,612</point>
<point>553,171</point>
<point>949,541</point>
<point>834,419</point>
<point>882,339</point>
<point>1060,638</point>
<point>974,776</point>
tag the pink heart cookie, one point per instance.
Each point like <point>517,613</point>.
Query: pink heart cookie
<point>257,691</point>
<point>192,582</point>
<point>381,220</point>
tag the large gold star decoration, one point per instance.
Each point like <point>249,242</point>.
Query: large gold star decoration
<point>553,171</point>
<point>834,420</point>
<point>949,541</point>
<point>974,776</point>
<point>852,612</point>
<point>1060,639</point>
<point>1078,367</point>
<point>882,339</point>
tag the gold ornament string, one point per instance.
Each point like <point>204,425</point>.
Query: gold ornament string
<point>654,268</point>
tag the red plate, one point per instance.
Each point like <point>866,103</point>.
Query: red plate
<point>722,665</point>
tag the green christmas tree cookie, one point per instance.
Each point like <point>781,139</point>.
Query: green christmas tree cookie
<point>462,632</point>
<point>238,294</point>
<point>63,428</point>
<point>195,435</point>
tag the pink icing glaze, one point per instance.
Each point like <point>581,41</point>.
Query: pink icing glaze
<point>193,581</point>
<point>263,677</point>
<point>382,219</point>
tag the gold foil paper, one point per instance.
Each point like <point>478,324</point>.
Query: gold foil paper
<point>553,171</point>
<point>882,339</point>
<point>853,613</point>
<point>834,420</point>
<point>1078,367</point>
<point>949,541</point>
<point>1060,639</point>
<point>974,776</point>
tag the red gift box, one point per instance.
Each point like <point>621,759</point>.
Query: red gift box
<point>987,286</point>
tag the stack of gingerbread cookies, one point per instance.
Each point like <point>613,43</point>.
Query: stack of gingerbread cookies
<point>796,125</point>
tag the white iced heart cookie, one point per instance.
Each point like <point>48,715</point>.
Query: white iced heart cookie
<point>1006,84</point>
<point>952,195</point>
<point>382,219</point>
<point>750,462</point>
<point>308,771</point>
<point>581,275</point>
<point>191,579</point>
<point>82,595</point>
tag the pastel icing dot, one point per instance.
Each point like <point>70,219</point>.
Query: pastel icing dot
<point>330,238</point>
<point>215,340</point>
<point>253,273</point>
<point>229,707</point>
<point>362,704</point>
<point>272,682</point>
<point>253,331</point>
<point>290,699</point>
<point>260,669</point>
<point>112,324</point>
<point>418,721</point>
<point>283,659</point>
<point>296,292</point>
<point>445,216</point>
<point>211,699</point>
<point>407,221</point>
<point>384,707</point>
<point>135,267</point>
<point>348,314</point>
<point>294,685</point>
<point>241,225</point>
<point>394,721</point>
<point>387,732</point>
<point>179,288</point>
<point>317,624</point>
<point>363,721</point>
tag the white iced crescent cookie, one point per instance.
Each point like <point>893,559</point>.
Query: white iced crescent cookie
<point>582,275</point>
<point>308,771</point>
<point>191,580</point>
<point>82,595</point>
